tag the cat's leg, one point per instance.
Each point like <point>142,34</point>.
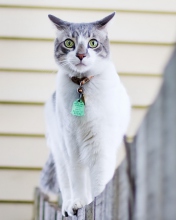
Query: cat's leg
<point>64,184</point>
<point>79,183</point>
<point>73,183</point>
<point>101,173</point>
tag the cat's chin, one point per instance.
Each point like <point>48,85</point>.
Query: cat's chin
<point>80,68</point>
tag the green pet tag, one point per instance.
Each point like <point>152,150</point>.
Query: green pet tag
<point>78,108</point>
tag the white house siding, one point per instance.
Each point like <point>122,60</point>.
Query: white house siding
<point>142,37</point>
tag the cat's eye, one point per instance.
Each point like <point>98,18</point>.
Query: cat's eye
<point>93,43</point>
<point>69,43</point>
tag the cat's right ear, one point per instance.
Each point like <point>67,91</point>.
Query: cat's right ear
<point>60,24</point>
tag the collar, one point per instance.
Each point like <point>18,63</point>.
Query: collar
<point>81,81</point>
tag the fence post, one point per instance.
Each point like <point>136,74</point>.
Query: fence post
<point>90,211</point>
<point>81,214</point>
<point>117,195</point>
<point>36,203</point>
<point>99,200</point>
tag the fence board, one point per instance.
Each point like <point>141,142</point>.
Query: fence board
<point>90,211</point>
<point>116,195</point>
<point>99,206</point>
<point>156,160</point>
<point>81,214</point>
<point>49,211</point>
<point>36,204</point>
<point>169,134</point>
<point>41,209</point>
<point>59,215</point>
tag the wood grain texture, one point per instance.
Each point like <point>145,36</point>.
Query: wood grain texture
<point>155,154</point>
<point>90,211</point>
<point>37,204</point>
<point>117,195</point>
<point>169,134</point>
<point>99,211</point>
<point>42,210</point>
<point>81,214</point>
<point>59,215</point>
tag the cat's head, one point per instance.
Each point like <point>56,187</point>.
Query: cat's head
<point>81,46</point>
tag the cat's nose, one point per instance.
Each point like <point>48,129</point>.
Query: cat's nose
<point>81,55</point>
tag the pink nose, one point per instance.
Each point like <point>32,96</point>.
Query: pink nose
<point>81,56</point>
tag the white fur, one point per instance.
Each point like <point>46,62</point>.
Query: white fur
<point>85,148</point>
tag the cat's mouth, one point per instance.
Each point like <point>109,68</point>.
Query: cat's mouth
<point>80,64</point>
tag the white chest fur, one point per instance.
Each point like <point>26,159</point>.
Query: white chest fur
<point>88,144</point>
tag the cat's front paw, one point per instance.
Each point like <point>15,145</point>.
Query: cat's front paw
<point>74,206</point>
<point>65,207</point>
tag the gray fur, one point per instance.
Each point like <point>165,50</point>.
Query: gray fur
<point>48,180</point>
<point>73,31</point>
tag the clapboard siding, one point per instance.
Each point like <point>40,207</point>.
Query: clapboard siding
<point>134,5</point>
<point>16,211</point>
<point>24,152</point>
<point>125,27</point>
<point>26,87</point>
<point>137,86</point>
<point>18,185</point>
<point>29,119</point>
<point>22,119</point>
<point>37,87</point>
<point>140,58</point>
<point>39,55</point>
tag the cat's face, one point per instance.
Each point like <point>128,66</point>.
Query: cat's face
<point>81,46</point>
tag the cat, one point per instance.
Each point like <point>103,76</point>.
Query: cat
<point>87,116</point>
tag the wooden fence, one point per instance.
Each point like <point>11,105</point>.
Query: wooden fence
<point>144,185</point>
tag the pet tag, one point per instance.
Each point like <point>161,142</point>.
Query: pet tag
<point>78,108</point>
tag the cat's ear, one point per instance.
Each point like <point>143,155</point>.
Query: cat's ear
<point>60,24</point>
<point>102,24</point>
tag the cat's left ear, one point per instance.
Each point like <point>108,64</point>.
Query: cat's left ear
<point>103,23</point>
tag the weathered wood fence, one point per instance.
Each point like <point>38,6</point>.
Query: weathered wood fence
<point>144,185</point>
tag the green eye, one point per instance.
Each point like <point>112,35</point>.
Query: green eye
<point>93,43</point>
<point>69,43</point>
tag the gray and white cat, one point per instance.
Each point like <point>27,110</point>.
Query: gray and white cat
<point>87,116</point>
